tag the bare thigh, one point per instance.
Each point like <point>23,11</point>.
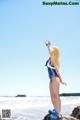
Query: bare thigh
<point>54,86</point>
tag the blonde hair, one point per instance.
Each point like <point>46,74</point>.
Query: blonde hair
<point>55,56</point>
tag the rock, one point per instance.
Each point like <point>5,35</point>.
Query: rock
<point>76,112</point>
<point>75,115</point>
<point>65,117</point>
<point>20,95</point>
<point>69,94</point>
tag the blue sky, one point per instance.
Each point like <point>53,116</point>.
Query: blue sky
<point>24,26</point>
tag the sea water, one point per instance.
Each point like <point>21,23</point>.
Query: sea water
<point>35,108</point>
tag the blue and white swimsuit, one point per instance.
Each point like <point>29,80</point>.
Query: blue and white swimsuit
<point>51,71</point>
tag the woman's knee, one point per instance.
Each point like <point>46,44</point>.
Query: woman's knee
<point>54,96</point>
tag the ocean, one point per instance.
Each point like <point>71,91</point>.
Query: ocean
<point>34,108</point>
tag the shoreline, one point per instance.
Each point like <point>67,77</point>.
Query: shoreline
<point>24,95</point>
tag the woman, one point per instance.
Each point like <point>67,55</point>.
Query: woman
<point>53,64</point>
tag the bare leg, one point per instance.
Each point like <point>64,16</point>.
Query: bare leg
<point>54,92</point>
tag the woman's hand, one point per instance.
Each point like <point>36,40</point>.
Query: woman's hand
<point>63,83</point>
<point>61,78</point>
